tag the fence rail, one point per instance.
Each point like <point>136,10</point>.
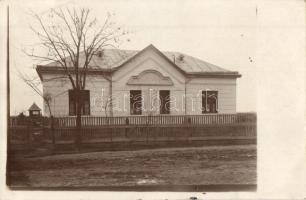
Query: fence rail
<point>158,120</point>
<point>134,128</point>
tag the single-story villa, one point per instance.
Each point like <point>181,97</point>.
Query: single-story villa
<point>146,82</point>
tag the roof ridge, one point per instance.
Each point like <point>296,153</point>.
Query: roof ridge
<point>114,57</point>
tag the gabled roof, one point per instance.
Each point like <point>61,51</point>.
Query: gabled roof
<point>112,59</point>
<point>34,107</point>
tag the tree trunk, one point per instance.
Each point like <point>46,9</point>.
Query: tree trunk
<point>78,120</point>
<point>111,96</point>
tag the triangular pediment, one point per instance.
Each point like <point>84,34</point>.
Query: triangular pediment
<point>154,49</point>
<point>149,68</point>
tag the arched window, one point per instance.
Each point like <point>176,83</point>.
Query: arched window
<point>209,101</point>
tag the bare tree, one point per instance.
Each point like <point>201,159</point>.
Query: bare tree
<point>34,84</point>
<point>71,37</point>
<point>47,98</point>
<point>109,100</point>
<point>107,107</point>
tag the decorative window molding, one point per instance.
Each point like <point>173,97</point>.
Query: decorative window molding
<point>150,77</point>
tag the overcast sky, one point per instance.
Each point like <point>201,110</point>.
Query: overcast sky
<point>226,33</point>
<point>222,32</point>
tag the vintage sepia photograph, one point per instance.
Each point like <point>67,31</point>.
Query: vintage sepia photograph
<point>132,96</point>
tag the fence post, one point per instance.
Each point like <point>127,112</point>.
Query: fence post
<point>29,134</point>
<point>147,133</point>
<point>52,133</point>
<point>127,123</point>
<point>189,127</point>
<point>111,129</point>
<point>111,134</point>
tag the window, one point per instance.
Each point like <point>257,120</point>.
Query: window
<point>135,102</point>
<point>84,100</point>
<point>209,101</point>
<point>35,112</point>
<point>164,96</point>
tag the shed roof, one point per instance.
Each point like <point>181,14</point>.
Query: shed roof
<point>34,107</point>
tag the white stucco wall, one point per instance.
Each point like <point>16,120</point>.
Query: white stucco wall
<point>149,60</point>
<point>58,89</point>
<point>226,94</point>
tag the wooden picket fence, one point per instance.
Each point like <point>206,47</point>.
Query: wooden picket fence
<point>146,129</point>
<point>158,120</point>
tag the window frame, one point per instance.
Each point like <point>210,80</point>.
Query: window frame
<point>133,109</point>
<point>165,111</point>
<point>206,99</point>
<point>71,102</point>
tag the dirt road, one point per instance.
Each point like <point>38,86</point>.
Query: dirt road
<point>169,166</point>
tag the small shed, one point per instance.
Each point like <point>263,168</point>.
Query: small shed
<point>34,110</point>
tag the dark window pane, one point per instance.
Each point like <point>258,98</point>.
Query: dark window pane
<point>135,102</point>
<point>164,96</point>
<point>209,101</point>
<point>72,110</point>
<point>84,100</point>
<point>203,101</point>
<point>212,101</point>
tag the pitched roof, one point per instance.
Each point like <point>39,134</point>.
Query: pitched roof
<point>34,107</point>
<point>111,59</point>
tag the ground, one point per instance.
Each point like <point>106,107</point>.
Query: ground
<point>168,166</point>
